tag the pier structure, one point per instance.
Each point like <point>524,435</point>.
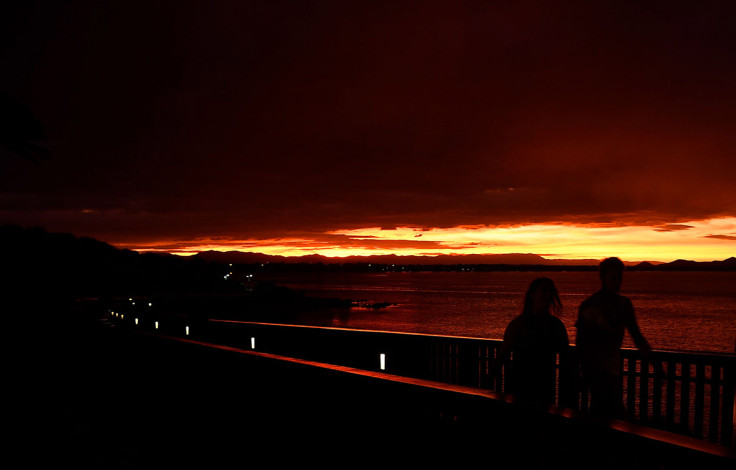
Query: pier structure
<point>386,389</point>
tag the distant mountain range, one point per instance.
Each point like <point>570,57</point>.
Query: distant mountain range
<point>519,260</point>
<point>687,265</point>
<point>510,258</point>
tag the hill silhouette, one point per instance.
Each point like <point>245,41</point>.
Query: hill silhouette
<point>63,265</point>
<point>45,275</point>
<point>689,265</point>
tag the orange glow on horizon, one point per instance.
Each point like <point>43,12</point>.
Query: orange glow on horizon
<point>705,240</point>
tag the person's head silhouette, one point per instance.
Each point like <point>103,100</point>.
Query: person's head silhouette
<point>611,271</point>
<point>542,297</point>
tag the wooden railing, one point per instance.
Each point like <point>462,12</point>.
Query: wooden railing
<point>688,393</point>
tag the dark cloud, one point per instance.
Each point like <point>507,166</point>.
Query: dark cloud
<point>258,119</point>
<point>673,227</point>
<point>722,237</point>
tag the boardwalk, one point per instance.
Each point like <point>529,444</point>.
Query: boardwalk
<point>128,398</point>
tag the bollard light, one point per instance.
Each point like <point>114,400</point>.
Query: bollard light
<point>155,325</point>
<point>383,361</point>
<point>187,330</point>
<point>252,343</point>
<point>136,321</point>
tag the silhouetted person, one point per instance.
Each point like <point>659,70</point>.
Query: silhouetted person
<point>534,338</point>
<point>602,320</point>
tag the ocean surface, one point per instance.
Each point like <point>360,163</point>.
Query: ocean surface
<point>684,311</point>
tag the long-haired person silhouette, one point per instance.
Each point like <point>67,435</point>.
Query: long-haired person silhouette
<point>533,340</point>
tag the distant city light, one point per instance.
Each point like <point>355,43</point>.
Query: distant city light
<point>187,330</point>
<point>252,343</point>
<point>383,361</point>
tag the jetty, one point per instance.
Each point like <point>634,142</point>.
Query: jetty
<point>174,391</point>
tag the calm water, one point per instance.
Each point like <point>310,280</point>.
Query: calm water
<point>693,311</point>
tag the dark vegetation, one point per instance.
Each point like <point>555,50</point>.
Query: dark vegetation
<point>46,275</point>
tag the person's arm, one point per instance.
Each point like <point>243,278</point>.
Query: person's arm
<point>641,342</point>
<point>509,339</point>
<point>631,324</point>
<point>568,368</point>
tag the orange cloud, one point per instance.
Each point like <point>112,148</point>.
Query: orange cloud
<point>694,240</point>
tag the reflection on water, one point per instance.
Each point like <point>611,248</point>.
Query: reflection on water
<point>676,310</point>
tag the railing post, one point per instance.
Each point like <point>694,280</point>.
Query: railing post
<point>699,399</point>
<point>715,387</point>
<point>644,392</point>
<point>670,404</point>
<point>657,392</point>
<point>685,398</point>
<point>630,371</point>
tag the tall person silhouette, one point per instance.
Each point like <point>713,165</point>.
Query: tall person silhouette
<point>602,321</point>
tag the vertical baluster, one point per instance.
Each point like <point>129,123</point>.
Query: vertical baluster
<point>454,363</point>
<point>670,405</point>
<point>631,389</point>
<point>657,393</point>
<point>445,362</point>
<point>443,365</point>
<point>464,370</point>
<point>715,388</point>
<point>685,397</point>
<point>644,392</point>
<point>699,399</point>
<point>483,367</point>
<point>471,359</point>
<point>500,374</point>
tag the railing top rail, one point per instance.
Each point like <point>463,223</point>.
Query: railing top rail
<point>661,352</point>
<point>335,328</point>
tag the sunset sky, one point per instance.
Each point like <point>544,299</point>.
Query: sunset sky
<point>570,130</point>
